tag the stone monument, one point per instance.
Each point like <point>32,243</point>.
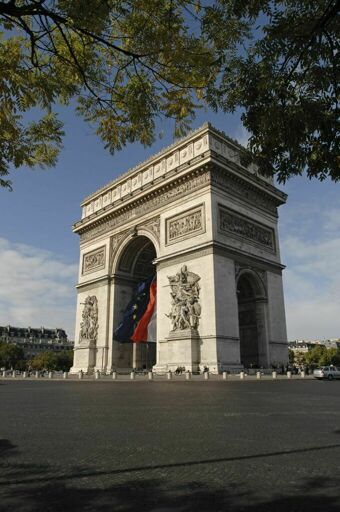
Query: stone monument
<point>207,226</point>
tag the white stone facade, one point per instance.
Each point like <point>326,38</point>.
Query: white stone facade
<point>193,204</point>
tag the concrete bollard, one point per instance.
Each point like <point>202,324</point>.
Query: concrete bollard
<point>206,375</point>
<point>132,375</point>
<point>80,374</point>
<point>242,375</point>
<point>289,375</point>
<point>4,373</point>
<point>65,375</point>
<point>188,375</point>
<point>24,375</point>
<point>14,374</point>
<point>258,375</point>
<point>274,375</point>
<point>150,375</point>
<point>50,375</point>
<point>169,375</point>
<point>97,375</point>
<point>114,375</point>
<point>224,376</point>
<point>303,374</point>
<point>37,375</point>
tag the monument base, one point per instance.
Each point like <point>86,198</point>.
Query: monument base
<point>183,350</point>
<point>84,358</point>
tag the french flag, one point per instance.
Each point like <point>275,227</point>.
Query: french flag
<point>139,320</point>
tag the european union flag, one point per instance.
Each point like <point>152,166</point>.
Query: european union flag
<point>134,312</point>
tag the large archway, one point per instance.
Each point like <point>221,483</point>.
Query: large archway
<point>134,264</point>
<point>252,321</point>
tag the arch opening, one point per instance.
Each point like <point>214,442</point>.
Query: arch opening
<point>251,318</point>
<point>137,257</point>
<point>134,265</point>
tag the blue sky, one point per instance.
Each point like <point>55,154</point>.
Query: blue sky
<point>39,252</point>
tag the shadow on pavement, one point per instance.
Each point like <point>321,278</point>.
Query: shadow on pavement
<point>27,487</point>
<point>7,448</point>
<point>43,476</point>
<point>152,495</point>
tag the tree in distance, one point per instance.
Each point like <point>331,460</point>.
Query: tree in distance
<point>130,62</point>
<point>52,361</point>
<point>64,360</point>
<point>11,356</point>
<point>43,361</point>
<point>319,355</point>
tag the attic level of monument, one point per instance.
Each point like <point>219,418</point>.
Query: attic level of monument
<point>205,150</point>
<point>203,229</point>
<point>165,152</point>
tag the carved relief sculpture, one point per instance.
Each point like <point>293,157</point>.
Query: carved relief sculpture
<point>115,240</point>
<point>153,225</point>
<point>89,325</point>
<point>185,307</point>
<point>94,260</point>
<point>174,191</point>
<point>235,224</point>
<point>185,225</point>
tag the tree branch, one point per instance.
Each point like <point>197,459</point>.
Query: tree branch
<point>37,9</point>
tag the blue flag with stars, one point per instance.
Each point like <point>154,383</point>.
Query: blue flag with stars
<point>134,312</point>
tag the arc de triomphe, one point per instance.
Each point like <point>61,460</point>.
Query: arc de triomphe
<point>208,227</point>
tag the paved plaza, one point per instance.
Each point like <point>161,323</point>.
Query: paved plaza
<point>170,445</point>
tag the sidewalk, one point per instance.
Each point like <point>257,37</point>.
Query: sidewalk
<point>126,377</point>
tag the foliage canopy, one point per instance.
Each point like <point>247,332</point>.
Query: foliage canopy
<point>319,355</point>
<point>52,361</point>
<point>11,356</point>
<point>285,78</point>
<point>129,62</point>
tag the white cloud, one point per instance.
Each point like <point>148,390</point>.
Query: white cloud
<point>37,288</point>
<point>310,248</point>
<point>332,219</point>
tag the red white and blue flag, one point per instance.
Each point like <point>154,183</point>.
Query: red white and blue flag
<point>139,320</point>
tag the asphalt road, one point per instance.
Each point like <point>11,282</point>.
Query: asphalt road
<point>170,446</point>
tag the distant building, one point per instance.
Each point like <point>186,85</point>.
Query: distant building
<point>332,343</point>
<point>33,340</point>
<point>300,346</point>
<point>305,346</point>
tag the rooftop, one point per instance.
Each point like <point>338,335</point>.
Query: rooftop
<point>205,127</point>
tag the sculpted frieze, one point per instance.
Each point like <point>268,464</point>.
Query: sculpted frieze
<point>115,242</point>
<point>94,260</point>
<point>174,191</point>
<point>232,223</point>
<point>185,225</point>
<point>238,188</point>
<point>153,225</point>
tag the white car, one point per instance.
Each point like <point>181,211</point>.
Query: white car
<point>327,372</point>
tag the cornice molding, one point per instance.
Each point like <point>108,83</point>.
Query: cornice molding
<point>206,175</point>
<point>241,258</point>
<point>141,206</point>
<point>199,131</point>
